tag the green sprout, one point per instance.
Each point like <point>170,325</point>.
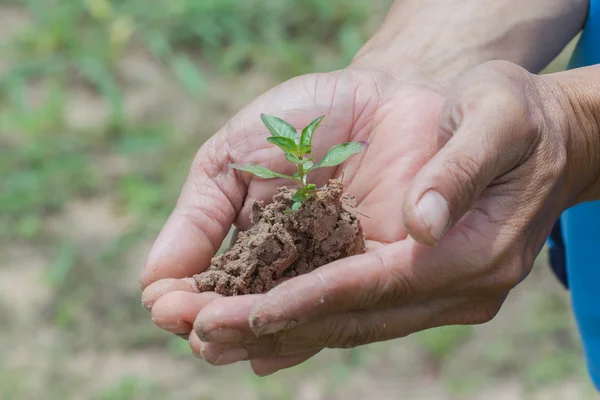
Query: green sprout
<point>298,150</point>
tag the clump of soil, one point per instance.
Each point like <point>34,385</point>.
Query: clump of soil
<point>282,244</point>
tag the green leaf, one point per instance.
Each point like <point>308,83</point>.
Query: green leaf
<point>307,133</point>
<point>284,143</point>
<point>308,165</point>
<point>306,150</point>
<point>293,158</point>
<point>279,127</point>
<point>296,206</point>
<point>311,187</point>
<point>340,153</point>
<point>259,171</point>
<point>299,196</point>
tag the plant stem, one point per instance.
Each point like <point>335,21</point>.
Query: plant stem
<point>301,176</point>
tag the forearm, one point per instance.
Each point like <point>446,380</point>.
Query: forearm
<point>443,38</point>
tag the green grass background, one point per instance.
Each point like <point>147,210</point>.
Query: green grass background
<point>102,106</point>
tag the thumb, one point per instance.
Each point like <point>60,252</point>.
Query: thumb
<point>485,130</point>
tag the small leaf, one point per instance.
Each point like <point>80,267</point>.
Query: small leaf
<point>284,143</point>
<point>279,127</point>
<point>259,171</point>
<point>306,149</point>
<point>296,206</point>
<point>311,187</point>
<point>294,158</point>
<point>308,165</point>
<point>307,133</point>
<point>299,196</point>
<point>340,153</point>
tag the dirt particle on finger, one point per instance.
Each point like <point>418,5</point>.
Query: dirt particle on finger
<point>281,244</point>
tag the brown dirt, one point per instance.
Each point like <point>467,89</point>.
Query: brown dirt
<point>282,244</point>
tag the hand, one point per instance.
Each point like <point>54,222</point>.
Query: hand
<point>487,200</point>
<point>397,118</point>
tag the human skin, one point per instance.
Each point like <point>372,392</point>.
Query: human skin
<point>474,160</point>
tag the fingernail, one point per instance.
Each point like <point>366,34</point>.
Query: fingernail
<point>231,355</point>
<point>147,305</point>
<point>184,336</point>
<point>435,213</point>
<point>221,336</point>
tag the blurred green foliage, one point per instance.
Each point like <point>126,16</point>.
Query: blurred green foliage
<point>64,47</point>
<point>44,163</point>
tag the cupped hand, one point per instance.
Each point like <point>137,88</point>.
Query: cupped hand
<point>475,174</point>
<point>397,119</point>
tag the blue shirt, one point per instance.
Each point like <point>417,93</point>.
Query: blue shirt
<point>574,242</point>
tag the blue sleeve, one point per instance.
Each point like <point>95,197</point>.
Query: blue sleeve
<point>576,242</point>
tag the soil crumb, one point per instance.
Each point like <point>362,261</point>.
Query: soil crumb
<point>281,244</point>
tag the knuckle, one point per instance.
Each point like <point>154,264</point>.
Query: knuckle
<point>463,170</point>
<point>396,289</point>
<point>513,116</point>
<point>210,354</point>
<point>497,89</point>
<point>336,334</point>
<point>392,286</point>
<point>510,274</point>
<point>449,121</point>
<point>212,360</point>
<point>506,101</point>
<point>277,346</point>
<point>478,313</point>
<point>486,312</point>
<point>351,331</point>
<point>277,342</point>
<point>267,346</point>
<point>169,300</point>
<point>213,157</point>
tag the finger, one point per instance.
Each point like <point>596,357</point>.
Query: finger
<point>388,276</point>
<point>342,331</point>
<point>216,354</point>
<point>202,217</point>
<point>270,365</point>
<point>176,311</point>
<point>226,320</point>
<point>195,344</point>
<point>486,130</point>
<point>164,286</point>
<point>219,354</point>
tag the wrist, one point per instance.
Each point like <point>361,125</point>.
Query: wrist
<point>576,97</point>
<point>423,58</point>
<point>438,40</point>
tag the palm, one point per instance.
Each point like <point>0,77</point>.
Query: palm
<point>397,119</point>
<point>398,122</point>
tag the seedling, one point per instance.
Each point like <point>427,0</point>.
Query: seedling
<point>298,150</point>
